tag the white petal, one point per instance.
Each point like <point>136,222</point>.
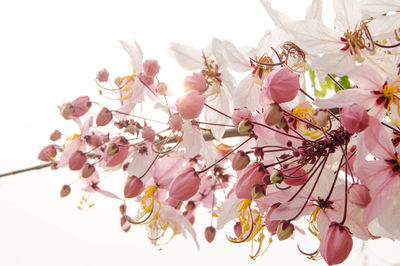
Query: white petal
<point>135,53</point>
<point>348,14</point>
<point>247,94</point>
<point>221,102</point>
<point>139,165</point>
<point>345,98</point>
<point>188,57</point>
<point>228,211</point>
<point>235,59</point>
<point>378,7</point>
<point>337,62</point>
<point>383,27</point>
<point>314,11</point>
<point>192,138</point>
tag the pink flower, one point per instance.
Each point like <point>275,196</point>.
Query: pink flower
<point>47,153</point>
<point>102,76</point>
<point>195,82</point>
<point>359,195</point>
<point>337,244</point>
<point>281,85</point>
<point>190,105</point>
<point>185,185</point>
<point>249,177</point>
<point>148,134</point>
<point>151,68</point>
<point>354,118</point>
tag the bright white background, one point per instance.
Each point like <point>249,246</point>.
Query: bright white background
<point>50,52</point>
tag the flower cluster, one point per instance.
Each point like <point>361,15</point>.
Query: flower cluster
<point>263,154</point>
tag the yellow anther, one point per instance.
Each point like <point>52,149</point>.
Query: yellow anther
<point>390,93</point>
<point>305,112</point>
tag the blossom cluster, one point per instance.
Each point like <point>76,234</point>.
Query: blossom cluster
<point>269,154</point>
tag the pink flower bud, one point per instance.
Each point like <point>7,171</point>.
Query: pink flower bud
<point>56,135</point>
<point>336,245</point>
<point>257,191</point>
<point>195,82</point>
<point>65,190</point>
<point>102,75</point>
<point>239,115</point>
<point>175,122</point>
<point>116,152</point>
<point>94,140</point>
<point>295,176</point>
<point>77,160</point>
<point>81,106</point>
<point>249,177</point>
<point>104,117</point>
<point>281,85</point>
<point>174,203</point>
<point>147,80</point>
<point>285,230</point>
<point>133,187</point>
<point>359,195</point>
<point>240,161</point>
<point>151,68</point>
<point>190,105</point>
<point>67,110</point>
<point>125,225</point>
<point>273,114</point>
<point>87,170</point>
<point>185,185</point>
<point>354,118</point>
<point>47,153</point>
<point>272,225</point>
<point>210,233</point>
<point>148,134</point>
<point>237,229</point>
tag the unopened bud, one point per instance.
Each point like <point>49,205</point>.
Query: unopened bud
<point>237,228</point>
<point>56,135</point>
<point>240,160</point>
<point>87,170</point>
<point>210,233</point>
<point>273,114</point>
<point>285,230</point>
<point>276,177</point>
<point>104,117</point>
<point>190,205</point>
<point>281,124</point>
<point>359,195</point>
<point>68,110</point>
<point>77,160</point>
<point>112,149</point>
<point>257,191</point>
<point>133,187</point>
<point>321,117</point>
<point>65,190</point>
<point>245,127</point>
<point>122,209</point>
<point>162,88</point>
<point>125,225</point>
<point>102,75</point>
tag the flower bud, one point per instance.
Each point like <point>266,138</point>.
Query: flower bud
<point>125,225</point>
<point>146,79</point>
<point>239,115</point>
<point>122,209</point>
<point>257,191</point>
<point>104,117</point>
<point>272,225</point>
<point>87,170</point>
<point>190,206</point>
<point>354,118</point>
<point>133,187</point>
<point>249,177</point>
<point>65,190</point>
<point>56,135</point>
<point>359,195</point>
<point>276,177</point>
<point>336,245</point>
<point>273,114</point>
<point>81,105</point>
<point>68,110</point>
<point>237,228</point>
<point>189,215</point>
<point>281,124</point>
<point>321,117</point>
<point>190,105</point>
<point>245,127</point>
<point>112,149</point>
<point>281,85</point>
<point>148,134</point>
<point>174,203</point>
<point>195,82</point>
<point>47,153</point>
<point>94,140</point>
<point>185,185</point>
<point>162,88</point>
<point>151,67</point>
<point>116,152</point>
<point>240,160</point>
<point>285,230</point>
<point>102,75</point>
<point>175,122</point>
<point>77,160</point>
<point>210,233</point>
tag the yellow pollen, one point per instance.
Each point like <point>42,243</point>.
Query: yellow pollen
<point>389,92</point>
<point>149,207</point>
<point>312,227</point>
<point>305,111</point>
<point>124,89</point>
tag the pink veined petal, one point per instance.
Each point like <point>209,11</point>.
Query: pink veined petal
<point>86,126</point>
<point>377,140</point>
<point>288,210</point>
<point>68,151</point>
<point>107,194</point>
<point>346,98</point>
<point>374,173</point>
<point>262,132</point>
<point>135,53</point>
<point>348,14</point>
<point>187,57</point>
<point>355,223</point>
<point>382,199</point>
<point>366,78</point>
<point>323,222</point>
